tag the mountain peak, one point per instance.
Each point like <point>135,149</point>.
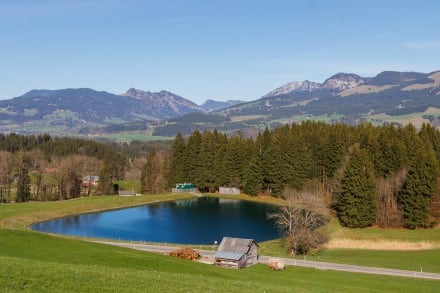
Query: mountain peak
<point>136,93</point>
<point>131,92</point>
<point>343,81</point>
<point>295,86</point>
<point>141,94</point>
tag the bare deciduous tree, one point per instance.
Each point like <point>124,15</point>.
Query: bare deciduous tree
<point>389,211</point>
<point>300,219</point>
<point>67,173</point>
<point>152,176</point>
<point>135,166</point>
<point>7,164</point>
<point>37,165</point>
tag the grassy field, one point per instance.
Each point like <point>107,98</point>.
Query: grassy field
<point>414,118</point>
<point>247,118</point>
<point>375,233</point>
<point>129,136</point>
<point>31,261</point>
<point>322,118</point>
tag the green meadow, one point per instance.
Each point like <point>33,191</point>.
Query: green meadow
<point>37,262</point>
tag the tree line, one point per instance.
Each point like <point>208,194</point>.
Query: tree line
<point>41,167</point>
<point>384,175</point>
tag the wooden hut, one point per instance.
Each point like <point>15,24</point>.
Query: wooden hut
<point>236,253</point>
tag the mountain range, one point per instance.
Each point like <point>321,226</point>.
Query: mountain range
<point>70,110</point>
<point>389,97</point>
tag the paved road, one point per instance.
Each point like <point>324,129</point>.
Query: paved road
<point>288,261</point>
<point>354,268</point>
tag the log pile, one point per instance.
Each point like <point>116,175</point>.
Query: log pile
<point>276,264</point>
<point>185,253</point>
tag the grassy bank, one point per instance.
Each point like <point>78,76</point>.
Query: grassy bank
<point>31,261</point>
<point>21,216</point>
<point>376,233</point>
<point>426,260</point>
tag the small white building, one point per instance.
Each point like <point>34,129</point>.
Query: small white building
<point>236,253</point>
<point>229,190</point>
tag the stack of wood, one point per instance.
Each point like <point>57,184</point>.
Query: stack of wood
<point>276,264</point>
<point>185,253</point>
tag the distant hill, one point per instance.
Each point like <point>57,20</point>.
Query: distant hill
<point>211,105</point>
<point>70,110</point>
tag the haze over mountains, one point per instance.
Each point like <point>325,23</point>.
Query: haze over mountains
<point>389,97</point>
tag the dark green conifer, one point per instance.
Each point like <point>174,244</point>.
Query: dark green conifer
<point>192,156</point>
<point>356,206</point>
<point>177,161</point>
<point>420,185</point>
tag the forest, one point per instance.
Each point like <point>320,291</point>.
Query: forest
<point>369,175</point>
<point>383,175</point>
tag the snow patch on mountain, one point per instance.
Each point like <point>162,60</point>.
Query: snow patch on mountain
<point>296,86</point>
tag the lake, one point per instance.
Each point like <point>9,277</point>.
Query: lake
<point>195,221</point>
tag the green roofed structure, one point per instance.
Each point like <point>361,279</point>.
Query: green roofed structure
<point>185,187</point>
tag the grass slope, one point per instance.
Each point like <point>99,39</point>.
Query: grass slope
<point>31,261</point>
<point>21,216</point>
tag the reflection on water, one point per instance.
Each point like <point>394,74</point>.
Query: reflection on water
<point>197,221</point>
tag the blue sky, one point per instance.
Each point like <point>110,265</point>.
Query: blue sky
<point>209,49</point>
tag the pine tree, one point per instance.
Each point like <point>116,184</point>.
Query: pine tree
<point>334,148</point>
<point>279,160</point>
<point>269,166</point>
<point>419,187</point>
<point>232,171</point>
<point>177,161</point>
<point>192,156</point>
<point>300,160</point>
<point>391,156</point>
<point>429,133</point>
<point>411,139</point>
<point>253,177</point>
<point>252,182</point>
<point>369,140</point>
<point>356,206</point>
<point>205,176</point>
<point>221,169</point>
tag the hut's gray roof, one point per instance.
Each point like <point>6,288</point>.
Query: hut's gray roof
<point>235,245</point>
<point>229,255</point>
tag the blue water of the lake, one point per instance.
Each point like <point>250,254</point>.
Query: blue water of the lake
<point>195,221</point>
